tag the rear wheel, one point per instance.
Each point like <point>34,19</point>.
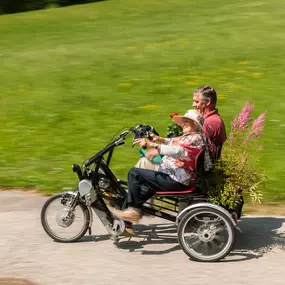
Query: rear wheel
<point>206,234</point>
<point>62,221</point>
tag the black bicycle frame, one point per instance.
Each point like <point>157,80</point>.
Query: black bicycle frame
<point>118,196</point>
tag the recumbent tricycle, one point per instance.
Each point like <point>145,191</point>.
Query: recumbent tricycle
<point>206,232</point>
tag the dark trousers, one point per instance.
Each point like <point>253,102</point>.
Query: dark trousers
<point>144,183</point>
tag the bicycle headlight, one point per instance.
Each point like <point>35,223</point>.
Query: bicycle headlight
<point>84,187</point>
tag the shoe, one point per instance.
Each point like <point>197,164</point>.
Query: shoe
<point>129,232</point>
<point>130,214</point>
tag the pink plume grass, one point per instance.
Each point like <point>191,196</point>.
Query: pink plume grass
<point>241,120</point>
<point>235,124</point>
<point>245,115</point>
<point>257,128</point>
<point>260,147</point>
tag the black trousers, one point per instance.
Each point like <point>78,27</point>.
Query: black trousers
<point>144,183</point>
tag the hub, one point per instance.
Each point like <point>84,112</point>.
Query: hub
<point>65,218</point>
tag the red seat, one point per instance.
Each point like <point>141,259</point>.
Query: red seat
<point>199,164</point>
<point>174,192</point>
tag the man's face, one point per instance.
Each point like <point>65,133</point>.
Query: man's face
<point>199,104</point>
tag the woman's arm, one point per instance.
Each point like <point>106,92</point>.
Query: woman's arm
<point>173,151</point>
<point>156,138</point>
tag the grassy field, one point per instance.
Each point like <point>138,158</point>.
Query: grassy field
<point>72,77</point>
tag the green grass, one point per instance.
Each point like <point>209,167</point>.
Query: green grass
<point>71,77</point>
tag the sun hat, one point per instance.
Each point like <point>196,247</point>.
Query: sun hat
<point>190,115</point>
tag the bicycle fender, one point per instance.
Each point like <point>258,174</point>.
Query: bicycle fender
<point>208,205</point>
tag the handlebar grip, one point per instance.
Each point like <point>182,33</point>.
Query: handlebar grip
<point>155,132</point>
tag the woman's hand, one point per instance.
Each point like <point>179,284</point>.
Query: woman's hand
<point>151,153</point>
<point>156,138</point>
<point>145,143</point>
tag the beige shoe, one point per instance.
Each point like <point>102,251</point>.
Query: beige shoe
<point>129,232</point>
<point>130,214</point>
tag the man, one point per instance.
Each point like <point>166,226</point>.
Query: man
<point>204,100</point>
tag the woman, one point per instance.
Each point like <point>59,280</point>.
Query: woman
<point>176,168</point>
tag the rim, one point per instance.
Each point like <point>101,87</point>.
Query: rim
<point>206,235</point>
<point>63,223</point>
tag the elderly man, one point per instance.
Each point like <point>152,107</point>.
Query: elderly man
<point>204,100</point>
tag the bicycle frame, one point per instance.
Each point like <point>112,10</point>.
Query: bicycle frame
<point>116,193</point>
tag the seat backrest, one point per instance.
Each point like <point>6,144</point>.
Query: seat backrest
<point>218,151</point>
<point>199,163</point>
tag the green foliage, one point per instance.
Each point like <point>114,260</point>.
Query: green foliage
<point>233,174</point>
<point>74,2</point>
<point>14,6</point>
<point>173,130</point>
<point>236,171</point>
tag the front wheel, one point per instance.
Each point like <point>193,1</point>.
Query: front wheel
<point>206,234</point>
<point>63,221</point>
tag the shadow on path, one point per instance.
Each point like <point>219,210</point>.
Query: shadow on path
<point>259,236</point>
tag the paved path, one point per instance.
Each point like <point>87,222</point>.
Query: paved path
<point>155,257</point>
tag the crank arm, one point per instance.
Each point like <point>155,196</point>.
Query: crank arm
<point>114,226</point>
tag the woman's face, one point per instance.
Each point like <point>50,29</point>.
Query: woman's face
<point>188,126</point>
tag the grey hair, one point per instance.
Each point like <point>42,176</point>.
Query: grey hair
<point>207,92</point>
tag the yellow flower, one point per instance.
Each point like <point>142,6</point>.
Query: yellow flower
<point>235,87</point>
<point>192,83</point>
<point>256,74</point>
<point>222,96</point>
<point>131,48</point>
<point>240,71</point>
<point>194,76</point>
<point>127,84</point>
<point>242,62</point>
<point>148,107</point>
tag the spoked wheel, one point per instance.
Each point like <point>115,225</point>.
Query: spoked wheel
<point>62,221</point>
<point>206,234</point>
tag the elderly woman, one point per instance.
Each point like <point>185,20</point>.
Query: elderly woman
<point>175,170</point>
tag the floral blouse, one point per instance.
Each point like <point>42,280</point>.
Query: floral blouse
<point>179,155</point>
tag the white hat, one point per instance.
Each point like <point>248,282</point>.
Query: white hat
<point>190,115</point>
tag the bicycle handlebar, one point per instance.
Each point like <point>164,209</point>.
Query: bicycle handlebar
<point>140,131</point>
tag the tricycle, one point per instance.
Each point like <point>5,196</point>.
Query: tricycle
<point>205,231</point>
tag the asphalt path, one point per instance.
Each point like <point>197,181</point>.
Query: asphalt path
<point>153,256</point>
